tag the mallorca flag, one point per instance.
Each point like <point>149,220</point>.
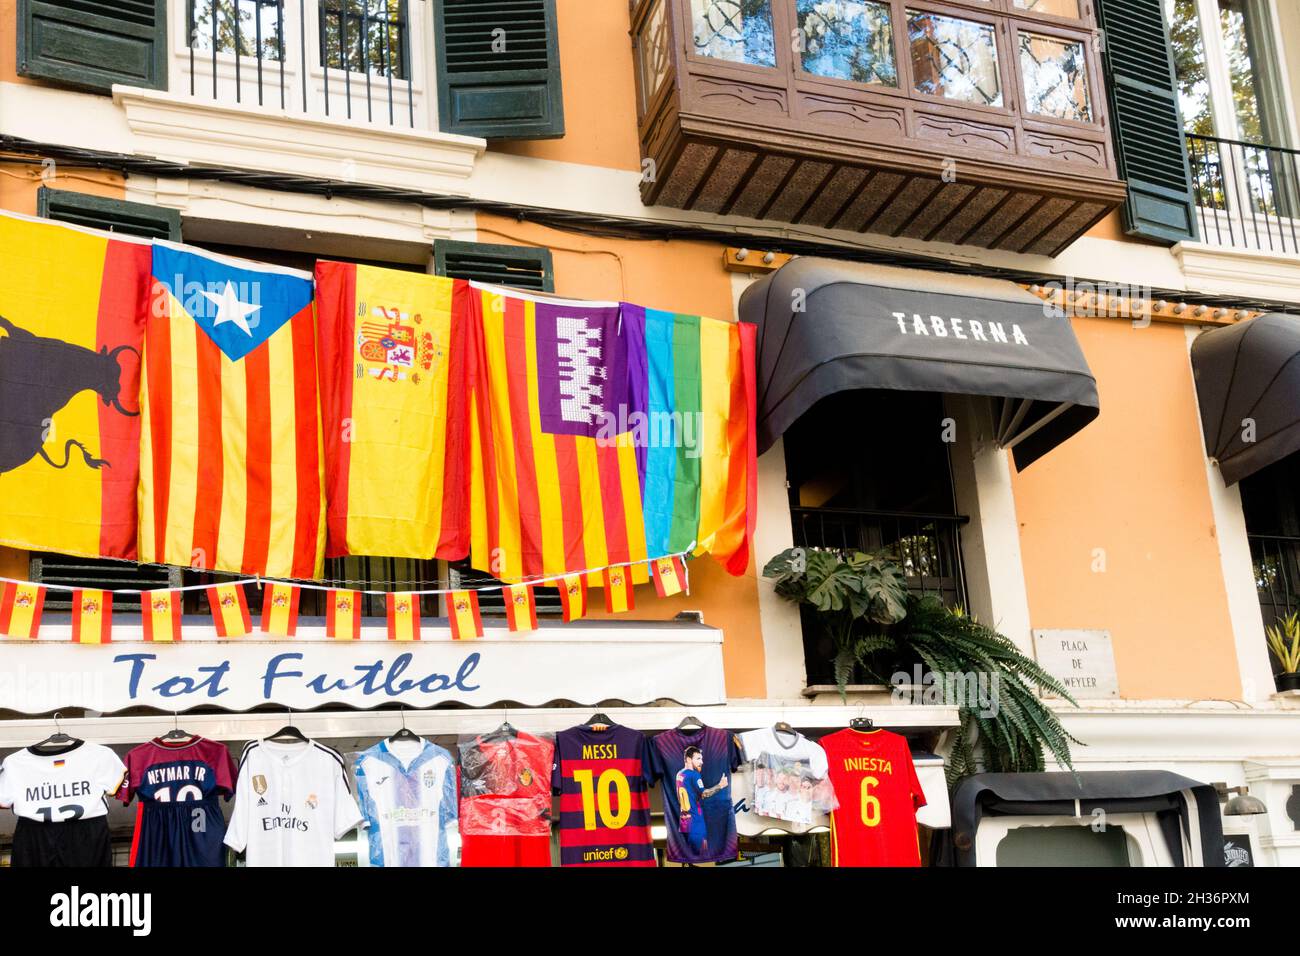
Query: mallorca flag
<point>161,613</point>
<point>403,617</point>
<point>462,611</point>
<point>92,617</point>
<point>619,596</point>
<point>573,597</point>
<point>229,607</point>
<point>72,311</point>
<point>393,399</point>
<point>20,609</point>
<point>343,615</point>
<point>669,575</point>
<point>521,607</point>
<point>230,455</point>
<point>280,610</point>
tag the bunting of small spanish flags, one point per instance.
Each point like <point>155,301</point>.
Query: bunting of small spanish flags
<point>20,609</point>
<point>403,617</point>
<point>573,597</point>
<point>160,612</point>
<point>229,606</point>
<point>619,596</point>
<point>463,613</point>
<point>280,610</point>
<point>343,615</point>
<point>92,617</point>
<point>521,607</point>
<point>669,575</point>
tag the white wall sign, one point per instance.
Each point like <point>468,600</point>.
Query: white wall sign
<point>638,666</point>
<point>1082,660</point>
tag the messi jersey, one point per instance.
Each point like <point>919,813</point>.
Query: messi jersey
<point>179,785</point>
<point>879,794</point>
<point>603,779</point>
<point>696,769</point>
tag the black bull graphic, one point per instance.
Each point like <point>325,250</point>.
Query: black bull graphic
<point>38,376</point>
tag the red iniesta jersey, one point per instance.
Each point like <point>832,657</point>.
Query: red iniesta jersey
<point>603,778</point>
<point>879,794</point>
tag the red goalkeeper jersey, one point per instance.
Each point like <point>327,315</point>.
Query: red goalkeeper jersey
<point>879,794</point>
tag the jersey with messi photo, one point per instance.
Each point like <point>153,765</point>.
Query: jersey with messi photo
<point>879,794</point>
<point>179,785</point>
<point>603,778</point>
<point>695,768</point>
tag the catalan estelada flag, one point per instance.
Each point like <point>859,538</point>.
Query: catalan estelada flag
<point>280,609</point>
<point>72,311</point>
<point>160,612</point>
<point>669,575</point>
<point>521,607</point>
<point>92,617</point>
<point>231,474</point>
<point>403,617</point>
<point>573,597</point>
<point>229,605</point>
<point>20,609</point>
<point>463,613</point>
<point>393,400</point>
<point>343,615</point>
<point>619,596</point>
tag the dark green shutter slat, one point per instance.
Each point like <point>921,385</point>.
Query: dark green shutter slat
<point>112,215</point>
<point>1148,125</point>
<point>93,44</point>
<point>94,574</point>
<point>513,93</point>
<point>521,267</point>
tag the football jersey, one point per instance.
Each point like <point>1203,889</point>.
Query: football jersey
<point>695,769</point>
<point>292,801</point>
<point>603,778</point>
<point>408,798</point>
<point>179,785</point>
<point>55,786</point>
<point>505,800</point>
<point>785,785</point>
<point>879,794</point>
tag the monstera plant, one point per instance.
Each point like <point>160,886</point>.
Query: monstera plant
<point>862,602</point>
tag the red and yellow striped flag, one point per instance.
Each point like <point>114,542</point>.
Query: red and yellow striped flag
<point>161,614</point>
<point>343,615</point>
<point>521,607</point>
<point>463,612</point>
<point>280,610</point>
<point>403,617</point>
<point>573,597</point>
<point>92,617</point>
<point>669,575</point>
<point>20,609</point>
<point>229,607</point>
<point>619,597</point>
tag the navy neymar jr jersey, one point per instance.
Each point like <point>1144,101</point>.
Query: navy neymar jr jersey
<point>603,779</point>
<point>178,784</point>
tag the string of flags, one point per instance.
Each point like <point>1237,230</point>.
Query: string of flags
<point>22,605</point>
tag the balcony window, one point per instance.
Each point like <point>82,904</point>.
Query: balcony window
<point>735,30</point>
<point>365,36</point>
<point>1055,8</point>
<point>253,27</point>
<point>954,58</point>
<point>1056,77</point>
<point>847,40</point>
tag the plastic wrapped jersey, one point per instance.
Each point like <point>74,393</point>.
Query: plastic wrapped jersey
<point>505,798</point>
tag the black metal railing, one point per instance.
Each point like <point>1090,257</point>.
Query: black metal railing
<point>1248,193</point>
<point>355,65</point>
<point>1275,559</point>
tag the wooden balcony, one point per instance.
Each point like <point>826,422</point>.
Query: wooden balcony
<point>737,119</point>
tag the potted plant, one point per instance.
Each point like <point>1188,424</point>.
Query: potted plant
<point>1284,642</point>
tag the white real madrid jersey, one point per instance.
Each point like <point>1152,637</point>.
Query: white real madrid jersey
<point>408,796</point>
<point>292,801</point>
<point>68,784</point>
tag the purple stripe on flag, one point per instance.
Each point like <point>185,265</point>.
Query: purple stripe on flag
<point>638,381</point>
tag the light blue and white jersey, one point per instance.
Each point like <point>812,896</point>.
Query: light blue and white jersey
<point>408,796</point>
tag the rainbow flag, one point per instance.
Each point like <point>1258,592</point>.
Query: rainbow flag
<point>92,617</point>
<point>463,613</point>
<point>403,617</point>
<point>160,612</point>
<point>229,606</point>
<point>521,607</point>
<point>20,609</point>
<point>72,312</point>
<point>230,459</point>
<point>280,609</point>
<point>393,397</point>
<point>343,615</point>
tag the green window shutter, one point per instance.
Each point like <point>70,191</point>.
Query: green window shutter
<point>521,267</point>
<point>113,215</point>
<point>1148,125</point>
<point>498,68</point>
<point>94,43</point>
<point>98,575</point>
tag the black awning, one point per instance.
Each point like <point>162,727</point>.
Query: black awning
<point>1248,383</point>
<point>1188,811</point>
<point>827,326</point>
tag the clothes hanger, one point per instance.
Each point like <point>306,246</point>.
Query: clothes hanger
<point>689,721</point>
<point>289,732</point>
<point>176,733</point>
<point>405,733</point>
<point>599,721</point>
<point>504,732</point>
<point>56,739</point>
